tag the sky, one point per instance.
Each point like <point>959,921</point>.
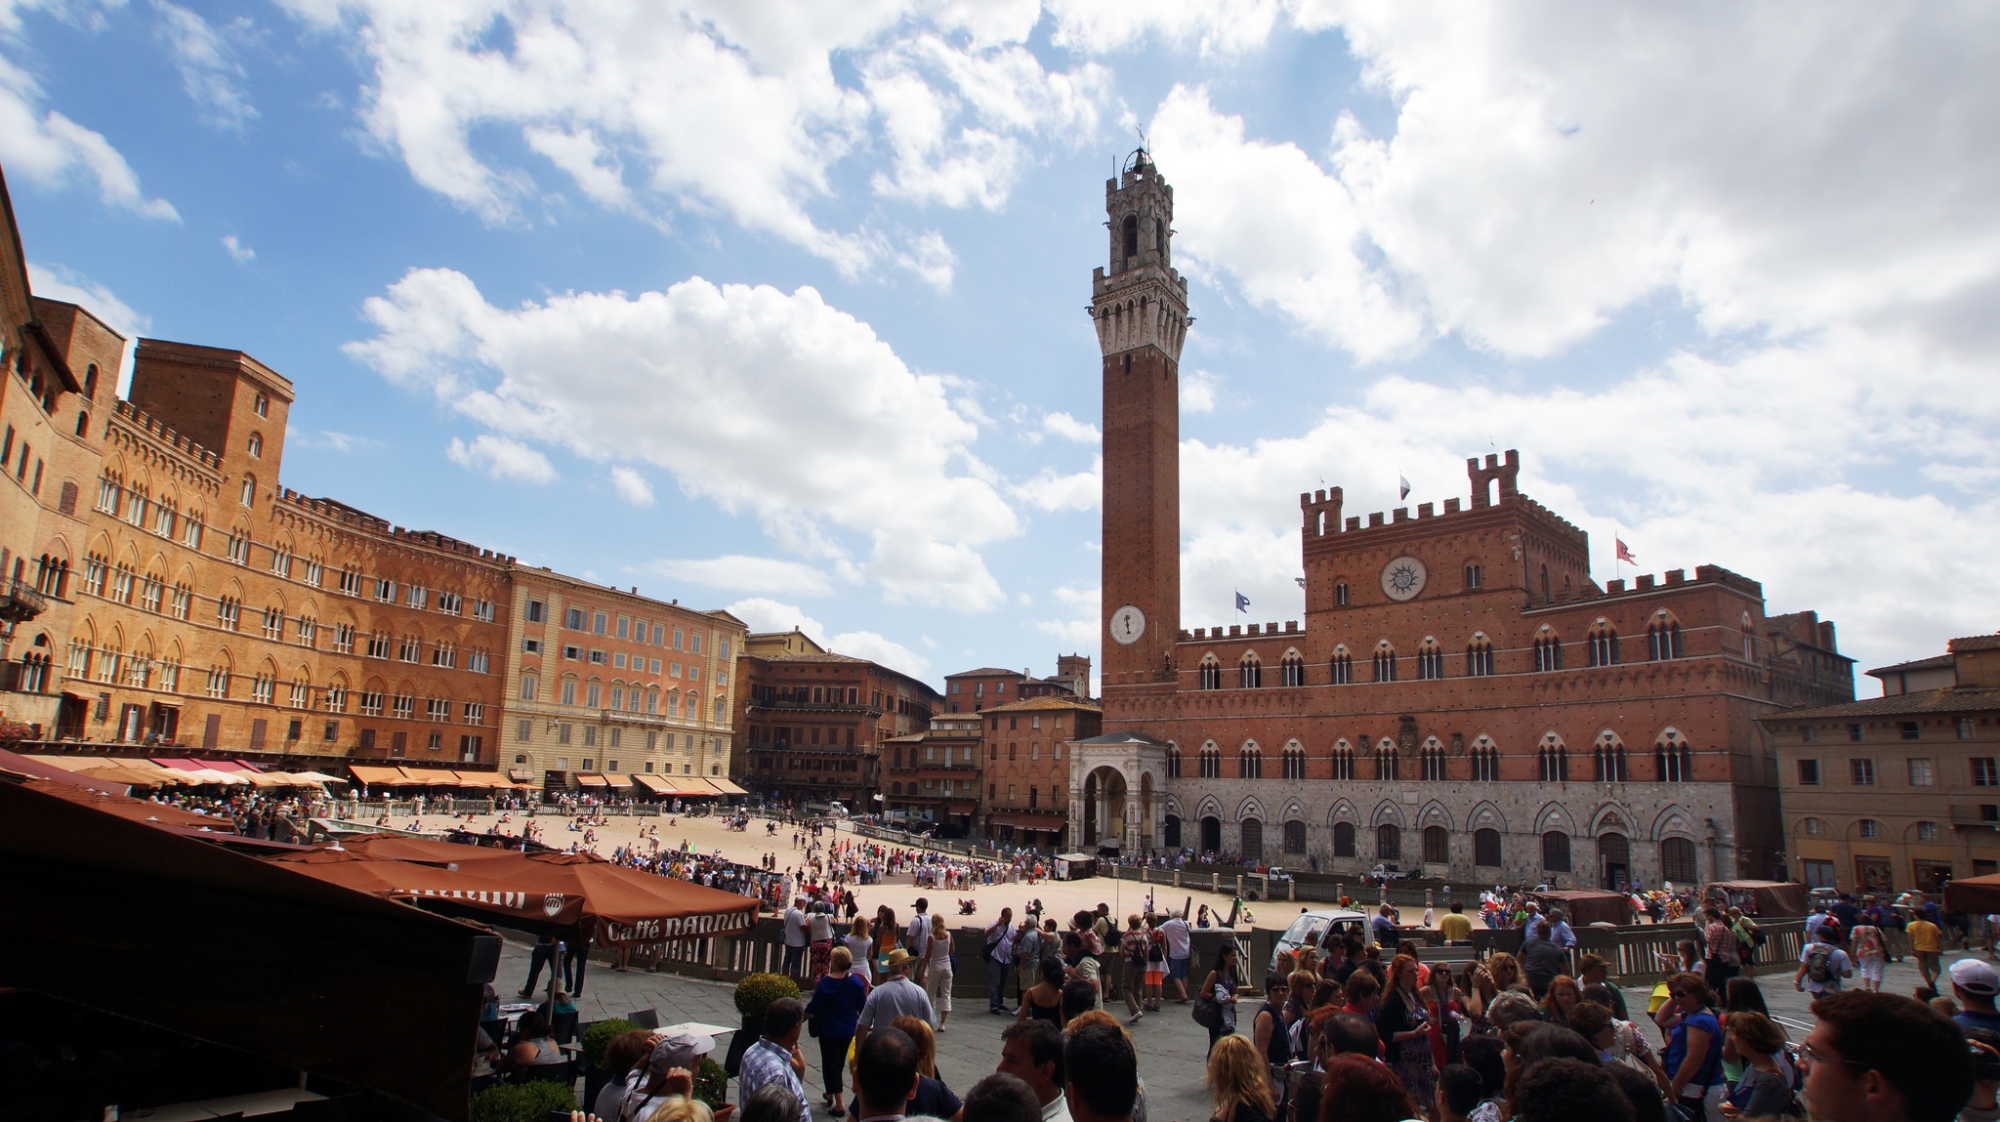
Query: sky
<point>780,307</point>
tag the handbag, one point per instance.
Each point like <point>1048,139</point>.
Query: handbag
<point>1207,1012</point>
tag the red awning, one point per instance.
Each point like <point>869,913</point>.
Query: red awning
<point>180,763</point>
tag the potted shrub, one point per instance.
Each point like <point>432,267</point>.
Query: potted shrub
<point>596,1037</point>
<point>754,995</point>
<point>527,1102</point>
<point>711,1085</point>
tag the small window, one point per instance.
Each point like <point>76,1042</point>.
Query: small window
<point>1868,828</point>
<point>1812,827</point>
<point>1984,773</point>
<point>256,444</point>
<point>1920,773</point>
<point>1340,595</point>
<point>1861,772</point>
<point>1808,773</point>
<point>1927,831</point>
<point>1806,734</point>
<point>1854,731</point>
<point>261,405</point>
<point>1908,730</point>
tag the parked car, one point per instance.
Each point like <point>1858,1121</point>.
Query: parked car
<point>1320,929</point>
<point>1277,873</point>
<point>1385,872</point>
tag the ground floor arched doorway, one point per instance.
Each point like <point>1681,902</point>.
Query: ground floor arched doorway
<point>1614,859</point>
<point>1211,834</point>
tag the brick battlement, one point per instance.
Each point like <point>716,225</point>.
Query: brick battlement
<point>1674,578</point>
<point>1240,631</point>
<point>1323,515</point>
<point>335,511</point>
<point>148,423</point>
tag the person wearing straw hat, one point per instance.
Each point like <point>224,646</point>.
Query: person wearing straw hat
<point>897,996</point>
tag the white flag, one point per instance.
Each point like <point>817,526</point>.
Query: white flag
<point>1405,481</point>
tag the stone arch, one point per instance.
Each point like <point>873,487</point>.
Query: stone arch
<point>1554,816</point>
<point>1342,811</point>
<point>1388,813</point>
<point>1293,809</point>
<point>1486,816</point>
<point>1611,818</point>
<point>1291,652</point>
<point>1434,814</point>
<point>1209,808</point>
<point>1172,808</point>
<point>1251,807</point>
<point>1551,739</point>
<point>1674,822</point>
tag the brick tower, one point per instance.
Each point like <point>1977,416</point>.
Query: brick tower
<point>1140,305</point>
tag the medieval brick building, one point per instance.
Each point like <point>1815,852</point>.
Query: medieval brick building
<point>1461,697</point>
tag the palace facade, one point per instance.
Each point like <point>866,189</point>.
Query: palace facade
<point>1460,698</point>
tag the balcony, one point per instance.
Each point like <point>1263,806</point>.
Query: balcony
<point>20,602</point>
<point>1975,816</point>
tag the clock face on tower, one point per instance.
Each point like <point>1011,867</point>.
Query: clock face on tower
<point>1127,624</point>
<point>1403,578</point>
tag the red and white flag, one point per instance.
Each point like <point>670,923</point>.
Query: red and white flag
<point>1625,551</point>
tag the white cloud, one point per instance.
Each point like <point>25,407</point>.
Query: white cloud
<point>501,458</point>
<point>1548,169</point>
<point>748,574</point>
<point>1801,505</point>
<point>764,614</point>
<point>710,107</point>
<point>331,440</point>
<point>1212,26</point>
<point>1052,490</point>
<point>49,149</point>
<point>931,259</point>
<point>1078,629</point>
<point>238,252</point>
<point>211,73</point>
<point>1198,391</point>
<point>631,486</point>
<point>1069,428</point>
<point>706,382</point>
<point>55,282</point>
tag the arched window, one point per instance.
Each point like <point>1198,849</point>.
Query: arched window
<point>1343,839</point>
<point>1387,763</point>
<point>1388,842</point>
<point>1249,672</point>
<point>1211,673</point>
<point>1677,861</point>
<point>1486,848</point>
<point>1663,640</point>
<point>82,423</point>
<point>1131,233</point>
<point>1603,644</point>
<point>1479,657</point>
<point>1554,761</point>
<point>1437,845</point>
<point>1608,759</point>
<point>1548,652</point>
<point>1485,760</point>
<point>1434,764</point>
<point>1868,828</point>
<point>1250,763</point>
<point>1295,836</point>
<point>1385,662</point>
<point>1555,851</point>
<point>1674,757</point>
<point>1343,761</point>
<point>249,490</point>
<point>1545,584</point>
<point>1292,670</point>
<point>1173,763</point>
<point>1211,762</point>
<point>1295,763</point>
<point>256,444</point>
<point>1430,660</point>
<point>1342,667</point>
<point>1812,827</point>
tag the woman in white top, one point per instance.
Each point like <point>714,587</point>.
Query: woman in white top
<point>937,970</point>
<point>860,945</point>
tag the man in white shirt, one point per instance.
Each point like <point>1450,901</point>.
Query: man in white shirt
<point>1032,1051</point>
<point>999,960</point>
<point>796,938</point>
<point>1180,944</point>
<point>917,934</point>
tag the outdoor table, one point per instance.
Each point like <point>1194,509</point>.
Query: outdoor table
<point>697,1028</point>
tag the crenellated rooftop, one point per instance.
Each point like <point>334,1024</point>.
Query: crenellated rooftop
<point>152,425</point>
<point>1323,516</point>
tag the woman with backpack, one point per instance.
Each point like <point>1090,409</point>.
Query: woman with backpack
<point>1220,988</point>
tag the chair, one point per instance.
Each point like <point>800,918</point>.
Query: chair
<point>644,1018</point>
<point>562,1027</point>
<point>496,1031</point>
<point>546,1073</point>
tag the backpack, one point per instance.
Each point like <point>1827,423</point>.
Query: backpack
<point>1819,964</point>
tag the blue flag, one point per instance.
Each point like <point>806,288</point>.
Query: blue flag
<point>1242,602</point>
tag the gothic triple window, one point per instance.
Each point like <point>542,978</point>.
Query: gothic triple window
<point>1385,663</point>
<point>1548,653</point>
<point>1249,673</point>
<point>1211,674</point>
<point>1343,762</point>
<point>1663,640</point>
<point>1343,667</point>
<point>1292,670</point>
<point>1250,763</point>
<point>1434,764</point>
<point>1603,645</point>
<point>1554,760</point>
<point>1295,763</point>
<point>1211,762</point>
<point>1479,658</point>
<point>1430,660</point>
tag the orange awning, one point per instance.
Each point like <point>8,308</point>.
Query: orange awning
<point>654,784</point>
<point>725,786</point>
<point>376,775</point>
<point>480,779</point>
<point>591,779</point>
<point>471,886</point>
